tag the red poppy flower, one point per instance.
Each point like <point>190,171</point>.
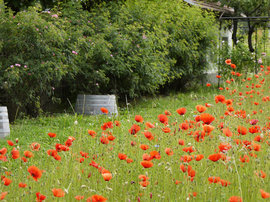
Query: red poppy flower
<point>189,149</point>
<point>40,197</point>
<point>199,157</point>
<point>208,84</point>
<point>147,157</point>
<point>134,129</point>
<point>207,118</point>
<point>58,192</point>
<point>169,151</point>
<point>107,176</point>
<point>22,185</point>
<point>163,119</point>
<point>92,133</point>
<point>166,130</point>
<point>264,194</point>
<point>6,181</point>
<point>35,172</point>
<point>144,146</point>
<point>117,123</point>
<point>3,151</point>
<point>228,61</point>
<point>104,110</point>
<point>139,118</point>
<point>184,126</point>
<point>147,164</point>
<point>149,125</point>
<point>167,113</point>
<point>201,108</point>
<point>96,198</point>
<point>181,142</point>
<point>15,153</point>
<point>148,135</point>
<point>235,199</point>
<point>52,135</point>
<point>155,154</point>
<point>129,160</point>
<point>260,174</point>
<point>144,183</point>
<point>35,146</point>
<point>28,154</point>
<point>10,143</point>
<point>3,195</point>
<point>181,111</point>
<point>242,130</point>
<point>122,156</point>
<point>78,198</point>
<point>214,157</point>
<point>220,98</point>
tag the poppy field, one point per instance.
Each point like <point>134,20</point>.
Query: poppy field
<point>213,145</point>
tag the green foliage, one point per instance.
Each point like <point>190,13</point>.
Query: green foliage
<point>239,55</point>
<point>130,48</point>
<point>35,56</point>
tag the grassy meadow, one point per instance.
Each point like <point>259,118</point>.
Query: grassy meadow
<point>208,145</point>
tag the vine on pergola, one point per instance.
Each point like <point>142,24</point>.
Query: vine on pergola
<point>256,12</point>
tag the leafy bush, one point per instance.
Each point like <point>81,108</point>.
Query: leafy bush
<point>130,48</point>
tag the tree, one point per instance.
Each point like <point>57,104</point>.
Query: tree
<point>248,8</point>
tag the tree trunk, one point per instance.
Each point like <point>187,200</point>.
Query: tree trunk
<point>250,32</point>
<point>234,38</point>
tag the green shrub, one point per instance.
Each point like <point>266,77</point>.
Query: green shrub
<point>130,48</point>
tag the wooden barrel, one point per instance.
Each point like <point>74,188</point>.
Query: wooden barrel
<point>4,122</point>
<point>91,104</point>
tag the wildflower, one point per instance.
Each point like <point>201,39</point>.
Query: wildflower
<point>214,157</point>
<point>139,118</point>
<point>3,151</point>
<point>169,151</point>
<point>107,176</point>
<point>181,111</point>
<point>220,98</point>
<point>242,130</point>
<point>92,133</point>
<point>6,181</point>
<point>35,172</point>
<point>52,135</point>
<point>235,199</point>
<point>22,185</point>
<point>10,143</point>
<point>147,164</point>
<point>264,194</point>
<point>163,119</point>
<point>149,125</point>
<point>28,154</point>
<point>200,108</point>
<point>58,192</point>
<point>134,129</point>
<point>35,146</point>
<point>78,198</point>
<point>148,135</point>
<point>228,61</point>
<point>144,146</point>
<point>122,156</point>
<point>3,195</point>
<point>104,110</point>
<point>15,153</point>
<point>207,118</point>
<point>96,198</point>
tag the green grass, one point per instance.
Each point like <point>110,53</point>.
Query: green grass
<point>124,186</point>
